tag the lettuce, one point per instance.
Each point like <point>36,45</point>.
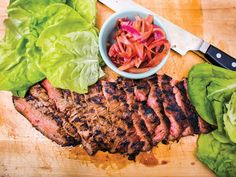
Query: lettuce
<point>18,71</point>
<point>209,85</point>
<point>69,52</point>
<point>87,9</point>
<point>230,118</point>
<point>213,92</point>
<point>220,157</point>
<point>27,56</point>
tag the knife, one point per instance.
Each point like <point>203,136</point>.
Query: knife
<point>181,40</point>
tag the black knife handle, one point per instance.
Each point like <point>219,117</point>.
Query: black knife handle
<point>220,58</point>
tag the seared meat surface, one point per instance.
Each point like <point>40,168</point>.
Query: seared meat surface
<point>120,116</point>
<point>43,115</point>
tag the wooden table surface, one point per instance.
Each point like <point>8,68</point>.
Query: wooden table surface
<point>25,152</point>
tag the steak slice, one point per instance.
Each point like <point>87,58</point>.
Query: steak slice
<point>155,101</point>
<point>102,125</point>
<point>79,114</point>
<point>140,120</point>
<point>171,108</point>
<point>146,112</point>
<point>141,90</point>
<point>189,110</point>
<point>122,117</point>
<point>40,93</point>
<point>83,118</point>
<point>149,116</point>
<point>44,120</point>
<point>182,103</point>
<point>60,100</point>
<point>201,126</point>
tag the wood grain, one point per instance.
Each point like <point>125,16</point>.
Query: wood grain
<point>25,152</point>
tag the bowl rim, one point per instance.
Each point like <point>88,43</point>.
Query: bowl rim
<point>107,59</point>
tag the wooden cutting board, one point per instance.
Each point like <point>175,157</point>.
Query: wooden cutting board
<point>25,152</point>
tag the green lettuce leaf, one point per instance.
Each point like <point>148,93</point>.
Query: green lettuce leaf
<point>230,118</point>
<point>208,83</point>
<point>220,157</point>
<point>87,9</point>
<point>18,53</point>
<point>213,93</point>
<point>17,70</point>
<point>73,63</point>
<point>70,57</point>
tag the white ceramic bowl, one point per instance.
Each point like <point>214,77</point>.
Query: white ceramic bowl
<point>105,36</point>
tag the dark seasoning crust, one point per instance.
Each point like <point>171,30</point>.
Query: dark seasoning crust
<point>122,116</point>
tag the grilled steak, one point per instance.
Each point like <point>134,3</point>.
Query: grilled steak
<point>181,102</point>
<point>120,116</point>
<point>127,138</point>
<point>141,90</point>
<point>78,112</point>
<point>171,108</point>
<point>139,121</point>
<point>37,108</point>
<point>149,117</point>
<point>155,101</point>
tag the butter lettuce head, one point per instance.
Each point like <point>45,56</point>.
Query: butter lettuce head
<point>209,86</point>
<point>230,118</point>
<point>86,8</point>
<point>220,157</point>
<point>55,39</point>
<point>70,55</point>
<point>213,92</point>
<point>18,71</point>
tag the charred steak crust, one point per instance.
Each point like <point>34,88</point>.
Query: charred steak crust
<point>190,113</point>
<point>137,90</point>
<point>123,116</point>
<point>79,114</point>
<point>127,141</point>
<point>172,110</point>
<point>204,127</point>
<point>155,101</point>
<point>40,94</point>
<point>44,120</point>
<point>140,120</point>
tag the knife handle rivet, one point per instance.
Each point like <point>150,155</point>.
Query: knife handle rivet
<point>233,64</point>
<point>218,55</point>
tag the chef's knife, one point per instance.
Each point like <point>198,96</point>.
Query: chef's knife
<point>181,40</point>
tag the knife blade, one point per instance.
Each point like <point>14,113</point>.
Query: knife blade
<point>181,40</point>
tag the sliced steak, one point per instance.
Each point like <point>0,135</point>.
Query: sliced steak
<point>79,114</point>
<point>171,108</point>
<point>141,90</point>
<point>182,103</point>
<point>62,103</point>
<point>150,118</point>
<point>102,125</point>
<point>47,122</point>
<point>189,110</point>
<point>146,112</point>
<point>83,117</point>
<point>122,116</point>
<point>155,101</point>
<point>40,93</point>
<point>140,120</point>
